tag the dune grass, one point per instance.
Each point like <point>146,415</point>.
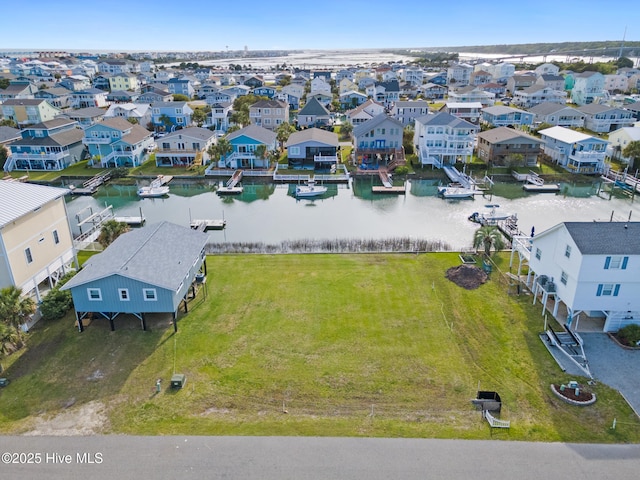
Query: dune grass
<point>346,345</point>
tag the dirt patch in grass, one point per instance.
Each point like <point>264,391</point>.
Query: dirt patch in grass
<point>467,276</point>
<point>87,419</point>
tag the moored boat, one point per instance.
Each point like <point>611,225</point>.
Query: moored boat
<point>153,191</point>
<point>310,190</point>
<point>456,192</point>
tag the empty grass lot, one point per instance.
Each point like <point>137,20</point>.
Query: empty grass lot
<point>346,345</point>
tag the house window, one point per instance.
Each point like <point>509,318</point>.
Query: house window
<point>567,251</point>
<point>608,290</point>
<point>294,150</point>
<point>149,294</point>
<point>56,238</point>
<point>616,262</point>
<point>538,253</point>
<point>564,277</point>
<point>179,120</point>
<point>94,294</point>
<point>124,294</point>
<point>27,253</point>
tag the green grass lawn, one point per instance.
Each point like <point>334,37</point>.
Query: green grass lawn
<point>347,345</point>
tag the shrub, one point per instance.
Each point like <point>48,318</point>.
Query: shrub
<point>630,335</point>
<point>56,304</point>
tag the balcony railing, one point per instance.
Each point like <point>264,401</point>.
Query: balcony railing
<point>98,140</point>
<point>40,156</point>
<point>183,151</point>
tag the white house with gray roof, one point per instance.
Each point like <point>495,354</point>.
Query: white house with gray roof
<point>378,141</point>
<point>621,138</point>
<point>502,116</point>
<point>575,151</point>
<point>185,148</point>
<point>407,111</point>
<point>442,139</point>
<point>313,148</point>
<point>536,94</point>
<point>589,268</point>
<point>147,270</point>
<point>557,114</point>
<point>604,119</point>
<point>36,245</point>
<point>313,114</point>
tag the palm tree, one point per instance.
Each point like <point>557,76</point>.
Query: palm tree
<point>282,133</point>
<point>14,309</point>
<point>165,121</point>
<point>223,148</point>
<point>632,151</point>
<point>110,230</point>
<point>487,237</point>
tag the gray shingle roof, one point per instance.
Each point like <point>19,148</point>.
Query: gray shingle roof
<point>159,254</point>
<point>594,108</point>
<point>373,123</point>
<point>547,108</point>
<point>192,132</point>
<point>605,238</point>
<point>445,119</point>
<point>62,139</point>
<point>314,107</point>
<point>8,133</point>
<point>501,110</point>
<point>504,134</point>
<point>256,132</point>
<point>18,199</point>
<point>313,134</point>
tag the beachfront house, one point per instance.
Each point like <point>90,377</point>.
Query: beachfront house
<point>52,145</point>
<point>443,139</point>
<point>508,147</point>
<point>557,114</point>
<point>244,143</point>
<point>601,118</point>
<point>127,278</point>
<point>575,151</point>
<point>313,148</point>
<point>501,116</point>
<point>115,142</point>
<point>185,148</point>
<point>36,245</point>
<point>590,268</point>
<point>378,142</point>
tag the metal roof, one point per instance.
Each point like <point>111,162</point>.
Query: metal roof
<point>18,199</point>
<point>161,254</point>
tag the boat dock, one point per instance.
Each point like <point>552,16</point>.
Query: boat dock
<point>202,225</point>
<point>533,183</point>
<point>132,220</point>
<point>623,181</point>
<point>89,187</point>
<point>235,179</point>
<point>458,177</point>
<point>387,184</point>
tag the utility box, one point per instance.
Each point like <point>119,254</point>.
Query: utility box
<point>488,401</point>
<point>178,380</point>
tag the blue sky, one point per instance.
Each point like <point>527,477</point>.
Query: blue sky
<point>329,24</point>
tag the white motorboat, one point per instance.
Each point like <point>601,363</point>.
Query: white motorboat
<point>456,192</point>
<point>153,191</point>
<point>310,190</point>
<point>491,217</point>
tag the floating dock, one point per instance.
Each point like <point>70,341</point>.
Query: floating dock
<point>89,187</point>
<point>132,221</point>
<point>203,225</point>
<point>400,189</point>
<point>545,188</point>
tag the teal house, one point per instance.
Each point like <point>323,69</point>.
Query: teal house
<point>245,143</point>
<point>148,270</point>
<point>115,142</point>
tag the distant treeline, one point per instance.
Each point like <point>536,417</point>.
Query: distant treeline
<point>606,48</point>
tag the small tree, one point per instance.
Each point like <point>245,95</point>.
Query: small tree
<point>110,230</point>
<point>199,116</point>
<point>56,304</point>
<point>346,129</point>
<point>14,309</point>
<point>283,132</point>
<point>488,236</point>
<point>632,151</point>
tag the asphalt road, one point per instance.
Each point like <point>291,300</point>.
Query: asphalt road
<point>309,458</point>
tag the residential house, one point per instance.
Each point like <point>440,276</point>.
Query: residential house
<point>171,115</point>
<point>155,96</point>
<point>124,81</point>
<point>75,83</point>
<point>480,77</point>
<point>386,93</point>
<point>18,90</point>
<point>117,143</point>
<point>265,91</point>
<point>322,97</point>
<point>588,268</point>
<point>574,151</point>
<point>364,112</point>
<point>537,94</point>
<point>588,88</point>
<point>313,114</point>
<point>547,69</point>
<point>500,72</point>
<point>50,145</point>
<point>520,82</point>
<point>295,90</point>
<point>85,116</point>
<point>366,82</point>
<point>184,148</point>
<point>345,74</point>
<point>27,111</point>
<point>313,148</point>
<point>468,111</point>
<point>254,82</point>
<point>320,84</point>
<point>128,278</point>
<point>219,117</point>
<point>378,142</point>
<point>471,94</point>
<point>269,114</point>
<point>101,82</point>
<point>93,97</point>
<point>557,114</point>
<point>458,74</point>
<point>620,139</point>
<point>502,116</point>
<point>244,143</point>
<point>554,82</point>
<point>181,86</point>
<point>238,90</point>
<point>442,139</point>
<point>407,111</point>
<point>137,112</point>
<point>207,89</point>
<point>497,89</point>
<point>433,91</point>
<point>351,99</point>
<point>506,146</point>
<point>37,245</point>
<point>222,96</point>
<point>122,96</point>
<point>411,75</point>
<point>8,135</point>
<point>114,66</point>
<point>292,100</point>
<point>57,96</point>
<point>604,119</point>
<point>616,83</point>
<point>634,108</point>
<point>437,78</point>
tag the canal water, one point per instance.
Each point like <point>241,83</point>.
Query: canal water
<point>270,213</point>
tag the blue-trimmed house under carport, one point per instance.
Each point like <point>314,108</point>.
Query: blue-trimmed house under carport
<point>148,270</point>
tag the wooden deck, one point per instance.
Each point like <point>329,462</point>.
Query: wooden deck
<point>399,189</point>
<point>202,225</point>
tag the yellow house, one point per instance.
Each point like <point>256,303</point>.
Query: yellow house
<point>36,244</point>
<point>123,81</point>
